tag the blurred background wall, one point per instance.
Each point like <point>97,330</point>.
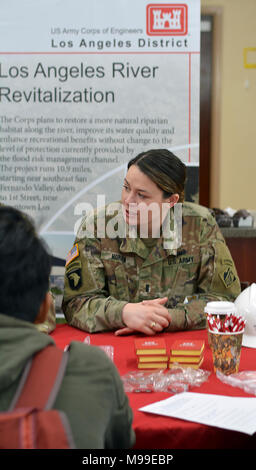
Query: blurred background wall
<point>232,159</point>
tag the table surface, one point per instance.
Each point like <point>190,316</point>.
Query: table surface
<point>159,432</point>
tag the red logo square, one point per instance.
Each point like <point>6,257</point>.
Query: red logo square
<point>167,19</point>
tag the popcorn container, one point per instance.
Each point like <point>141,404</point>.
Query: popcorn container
<point>219,309</point>
<point>226,351</point>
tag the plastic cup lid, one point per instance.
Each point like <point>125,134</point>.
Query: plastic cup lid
<point>220,307</point>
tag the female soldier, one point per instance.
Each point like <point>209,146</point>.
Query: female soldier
<point>141,283</point>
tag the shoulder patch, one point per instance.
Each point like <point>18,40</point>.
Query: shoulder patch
<point>72,254</point>
<point>75,279</point>
<point>227,276</point>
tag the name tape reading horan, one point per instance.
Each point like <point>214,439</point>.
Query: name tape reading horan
<point>129,459</point>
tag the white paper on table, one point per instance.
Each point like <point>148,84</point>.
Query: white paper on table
<point>233,413</point>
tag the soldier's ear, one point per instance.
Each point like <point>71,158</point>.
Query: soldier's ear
<point>44,308</point>
<point>173,199</point>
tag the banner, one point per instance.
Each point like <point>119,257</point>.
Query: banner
<point>84,87</point>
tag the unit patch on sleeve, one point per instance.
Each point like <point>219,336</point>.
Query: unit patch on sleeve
<point>227,276</point>
<point>74,279</point>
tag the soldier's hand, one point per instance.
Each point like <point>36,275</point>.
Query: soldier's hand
<point>124,331</point>
<point>149,318</point>
<point>129,331</point>
<point>159,300</point>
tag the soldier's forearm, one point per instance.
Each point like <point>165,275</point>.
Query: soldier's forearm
<point>94,314</point>
<point>191,315</point>
<point>188,316</point>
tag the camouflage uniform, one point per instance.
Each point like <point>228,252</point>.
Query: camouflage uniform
<point>50,322</point>
<point>103,274</point>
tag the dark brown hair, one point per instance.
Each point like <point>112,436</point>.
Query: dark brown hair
<point>25,266</point>
<point>166,170</point>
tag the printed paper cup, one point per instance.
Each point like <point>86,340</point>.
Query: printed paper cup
<point>226,351</point>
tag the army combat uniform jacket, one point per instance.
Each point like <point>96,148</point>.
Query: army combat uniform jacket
<point>103,274</point>
<point>49,324</point>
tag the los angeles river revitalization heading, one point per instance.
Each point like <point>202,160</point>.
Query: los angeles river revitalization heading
<point>120,70</point>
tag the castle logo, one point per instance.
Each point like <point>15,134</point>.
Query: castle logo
<point>167,19</point>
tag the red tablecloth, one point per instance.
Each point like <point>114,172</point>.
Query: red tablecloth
<point>159,432</point>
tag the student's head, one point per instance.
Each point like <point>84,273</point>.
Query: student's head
<point>24,267</point>
<point>155,176</point>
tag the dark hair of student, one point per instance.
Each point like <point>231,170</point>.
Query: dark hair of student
<point>25,266</point>
<point>166,170</point>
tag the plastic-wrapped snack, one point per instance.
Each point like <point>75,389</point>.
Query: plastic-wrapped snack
<point>140,381</point>
<point>87,340</point>
<point>245,379</point>
<point>176,380</point>
<point>179,379</point>
<point>109,350</point>
<point>172,382</point>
